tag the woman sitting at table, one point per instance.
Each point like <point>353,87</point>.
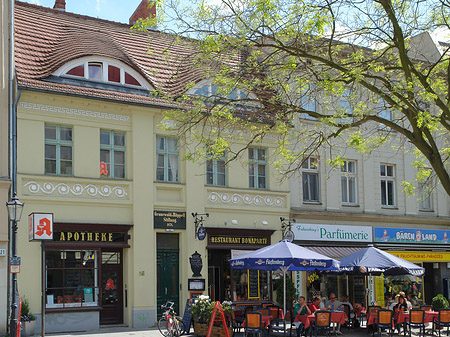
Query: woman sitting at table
<point>302,309</point>
<point>400,306</point>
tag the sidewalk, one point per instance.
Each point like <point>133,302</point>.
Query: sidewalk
<point>126,332</point>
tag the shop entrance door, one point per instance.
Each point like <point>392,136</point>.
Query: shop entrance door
<point>112,288</point>
<point>167,271</point>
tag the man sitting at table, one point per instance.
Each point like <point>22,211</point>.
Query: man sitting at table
<point>315,305</point>
<point>301,309</point>
<point>332,304</point>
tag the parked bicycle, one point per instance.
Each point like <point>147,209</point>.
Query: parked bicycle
<point>170,325</point>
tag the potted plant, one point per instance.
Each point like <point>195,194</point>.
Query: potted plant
<point>439,302</point>
<point>200,313</point>
<point>27,319</point>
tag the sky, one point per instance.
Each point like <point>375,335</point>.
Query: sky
<point>114,10</point>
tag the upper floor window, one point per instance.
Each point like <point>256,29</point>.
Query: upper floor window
<point>425,197</point>
<point>346,106</point>
<point>257,166</point>
<point>103,70</point>
<point>348,182</point>
<point>167,159</point>
<point>215,170</point>
<point>310,179</point>
<point>212,90</point>
<point>387,173</point>
<point>58,150</point>
<point>385,113</point>
<point>309,102</point>
<point>112,154</point>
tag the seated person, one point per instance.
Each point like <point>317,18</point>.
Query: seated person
<point>346,301</point>
<point>332,304</point>
<point>315,305</point>
<point>396,300</point>
<point>301,309</point>
<point>400,306</point>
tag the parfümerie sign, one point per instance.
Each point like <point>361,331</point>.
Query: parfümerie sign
<point>318,232</point>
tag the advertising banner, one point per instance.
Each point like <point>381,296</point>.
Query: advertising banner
<point>405,235</point>
<point>318,232</point>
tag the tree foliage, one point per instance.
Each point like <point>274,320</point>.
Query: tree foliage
<point>319,73</point>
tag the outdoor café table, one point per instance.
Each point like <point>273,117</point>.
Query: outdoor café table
<point>336,317</point>
<point>371,318</point>
<point>403,317</point>
<point>305,319</point>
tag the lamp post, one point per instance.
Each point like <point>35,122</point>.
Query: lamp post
<point>15,208</point>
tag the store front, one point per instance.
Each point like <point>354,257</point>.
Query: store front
<point>424,247</point>
<point>84,275</point>
<point>335,241</point>
<point>229,284</point>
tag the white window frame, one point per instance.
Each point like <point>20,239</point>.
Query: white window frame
<point>310,168</point>
<point>215,163</point>
<point>255,162</point>
<point>386,179</point>
<point>347,176</point>
<point>166,153</point>
<point>84,61</point>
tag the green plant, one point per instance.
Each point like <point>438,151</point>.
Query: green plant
<point>439,302</point>
<point>291,292</point>
<point>200,310</point>
<point>25,313</point>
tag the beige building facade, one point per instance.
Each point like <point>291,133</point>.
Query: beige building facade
<point>5,14</point>
<point>126,207</point>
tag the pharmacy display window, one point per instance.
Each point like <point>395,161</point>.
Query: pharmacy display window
<point>72,278</point>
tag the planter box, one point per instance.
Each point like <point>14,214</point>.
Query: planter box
<point>201,329</point>
<point>27,328</point>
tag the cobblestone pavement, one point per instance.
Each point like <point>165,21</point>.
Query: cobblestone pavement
<point>129,332</point>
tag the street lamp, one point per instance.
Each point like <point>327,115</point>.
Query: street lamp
<point>15,208</point>
<point>286,231</point>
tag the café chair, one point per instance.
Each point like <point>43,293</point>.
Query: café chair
<point>253,324</point>
<point>264,311</point>
<point>322,323</point>
<point>274,310</point>
<point>426,307</point>
<point>442,321</point>
<point>236,322</point>
<point>362,313</point>
<point>416,320</point>
<point>277,327</point>
<point>372,310</point>
<point>289,318</point>
<point>385,320</point>
<point>346,309</point>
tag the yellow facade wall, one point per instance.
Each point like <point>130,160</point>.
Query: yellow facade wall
<point>253,209</point>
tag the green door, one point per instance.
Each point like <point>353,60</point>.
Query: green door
<point>167,272</point>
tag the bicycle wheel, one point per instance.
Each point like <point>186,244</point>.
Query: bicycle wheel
<point>163,327</point>
<point>180,326</point>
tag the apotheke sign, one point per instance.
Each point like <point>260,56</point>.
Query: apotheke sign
<point>318,232</point>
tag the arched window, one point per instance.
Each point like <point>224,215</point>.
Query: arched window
<point>103,69</point>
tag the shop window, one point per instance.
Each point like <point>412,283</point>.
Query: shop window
<point>240,285</point>
<point>72,278</point>
<point>58,150</point>
<point>112,154</point>
<point>387,173</point>
<point>167,159</point>
<point>257,167</point>
<point>310,179</point>
<point>216,170</point>
<point>412,286</point>
<point>348,182</point>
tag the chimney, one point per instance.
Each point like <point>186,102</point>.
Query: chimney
<point>145,9</point>
<point>60,5</point>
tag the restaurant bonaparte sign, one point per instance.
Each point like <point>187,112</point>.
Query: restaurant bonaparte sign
<point>238,240</point>
<point>319,232</point>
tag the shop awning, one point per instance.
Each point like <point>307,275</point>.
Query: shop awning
<point>334,252</point>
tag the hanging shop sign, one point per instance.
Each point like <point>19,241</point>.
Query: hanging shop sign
<point>40,226</point>
<point>88,236</point>
<point>169,220</point>
<point>318,232</point>
<point>406,235</point>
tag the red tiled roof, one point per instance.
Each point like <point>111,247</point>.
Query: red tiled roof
<point>46,39</point>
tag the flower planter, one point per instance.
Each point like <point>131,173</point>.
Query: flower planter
<point>27,328</point>
<point>200,329</point>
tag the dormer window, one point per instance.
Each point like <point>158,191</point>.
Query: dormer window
<point>103,70</point>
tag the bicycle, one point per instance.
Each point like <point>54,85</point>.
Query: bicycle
<point>170,325</point>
